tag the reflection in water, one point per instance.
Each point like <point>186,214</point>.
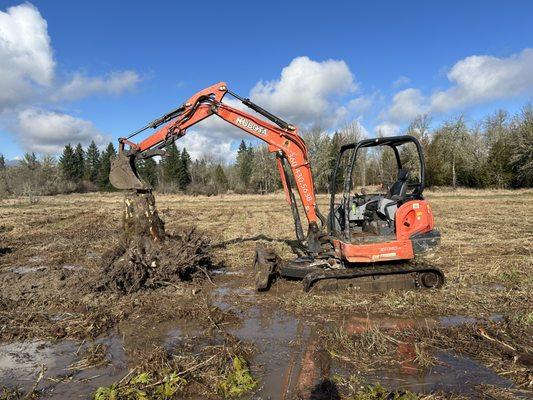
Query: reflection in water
<point>289,359</point>
<point>20,364</point>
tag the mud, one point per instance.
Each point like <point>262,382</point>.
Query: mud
<point>440,345</point>
<point>146,264</point>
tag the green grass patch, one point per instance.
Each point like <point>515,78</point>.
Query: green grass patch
<point>238,381</point>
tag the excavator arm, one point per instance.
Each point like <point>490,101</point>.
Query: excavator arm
<point>281,137</point>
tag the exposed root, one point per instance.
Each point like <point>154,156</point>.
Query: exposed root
<point>145,264</point>
<point>148,257</point>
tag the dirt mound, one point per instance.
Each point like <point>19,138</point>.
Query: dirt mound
<point>147,264</point>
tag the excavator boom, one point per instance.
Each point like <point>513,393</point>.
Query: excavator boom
<point>364,247</point>
<point>281,137</point>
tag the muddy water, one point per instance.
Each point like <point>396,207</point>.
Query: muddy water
<point>279,338</point>
<point>284,341</point>
<point>21,364</point>
<point>285,362</point>
<point>453,373</point>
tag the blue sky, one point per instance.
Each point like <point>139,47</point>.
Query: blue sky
<point>76,71</point>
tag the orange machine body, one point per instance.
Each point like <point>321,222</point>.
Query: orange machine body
<point>412,218</point>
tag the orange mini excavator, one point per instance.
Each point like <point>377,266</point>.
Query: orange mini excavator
<point>368,241</point>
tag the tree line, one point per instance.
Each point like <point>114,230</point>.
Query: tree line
<point>496,151</point>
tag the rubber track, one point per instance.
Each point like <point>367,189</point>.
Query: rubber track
<point>358,272</point>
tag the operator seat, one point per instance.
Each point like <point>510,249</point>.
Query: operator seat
<point>388,205</point>
<point>399,188</point>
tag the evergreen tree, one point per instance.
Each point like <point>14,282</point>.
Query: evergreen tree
<point>105,168</point>
<point>48,164</point>
<point>67,163</point>
<point>29,160</point>
<point>2,162</point>
<point>172,166</point>
<point>244,163</point>
<point>147,170</point>
<point>79,163</point>
<point>221,180</point>
<point>184,177</point>
<point>92,163</point>
<point>334,150</point>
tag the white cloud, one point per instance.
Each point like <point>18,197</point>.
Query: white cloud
<point>406,105</point>
<point>475,80</point>
<point>479,79</point>
<point>26,57</point>
<point>48,131</point>
<point>306,91</point>
<point>200,144</point>
<point>27,78</point>
<point>114,83</point>
<point>387,129</point>
<point>304,95</point>
<point>361,104</point>
<point>401,81</point>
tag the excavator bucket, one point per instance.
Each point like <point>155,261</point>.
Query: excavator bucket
<point>123,174</point>
<point>266,265</point>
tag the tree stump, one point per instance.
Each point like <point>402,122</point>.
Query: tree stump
<point>140,217</point>
<point>148,257</point>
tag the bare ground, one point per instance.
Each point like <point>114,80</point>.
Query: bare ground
<point>51,255</point>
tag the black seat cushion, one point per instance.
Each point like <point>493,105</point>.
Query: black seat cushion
<point>398,189</point>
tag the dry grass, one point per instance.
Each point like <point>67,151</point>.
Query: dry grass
<point>485,251</point>
<point>485,255</point>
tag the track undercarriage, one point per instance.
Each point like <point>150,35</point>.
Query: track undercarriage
<point>331,274</point>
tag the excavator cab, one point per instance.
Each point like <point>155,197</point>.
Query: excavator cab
<point>395,176</point>
<point>377,230</point>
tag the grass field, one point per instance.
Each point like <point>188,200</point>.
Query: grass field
<point>297,345</point>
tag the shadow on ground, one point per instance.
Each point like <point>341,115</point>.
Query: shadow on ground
<point>295,245</point>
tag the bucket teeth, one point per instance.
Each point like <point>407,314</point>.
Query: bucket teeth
<point>123,174</point>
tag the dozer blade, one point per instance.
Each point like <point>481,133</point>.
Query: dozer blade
<point>123,174</point>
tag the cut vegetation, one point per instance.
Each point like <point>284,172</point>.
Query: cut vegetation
<point>181,336</point>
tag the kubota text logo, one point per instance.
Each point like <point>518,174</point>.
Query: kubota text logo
<point>249,124</point>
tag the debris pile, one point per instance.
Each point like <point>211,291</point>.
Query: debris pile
<point>147,256</point>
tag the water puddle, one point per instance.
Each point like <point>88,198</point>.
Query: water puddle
<point>289,355</point>
<point>290,358</point>
<point>457,320</point>
<point>22,270</point>
<point>21,363</point>
<point>453,373</point>
<point>280,341</point>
